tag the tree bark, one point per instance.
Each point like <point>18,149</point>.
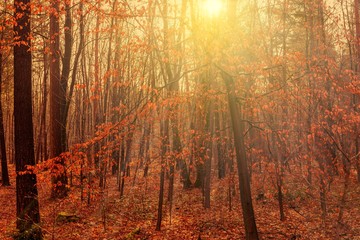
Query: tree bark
<point>59,178</point>
<point>219,145</point>
<point>208,155</point>
<point>64,79</point>
<point>244,181</point>
<point>355,98</point>
<point>4,165</point>
<point>164,149</point>
<point>27,206</point>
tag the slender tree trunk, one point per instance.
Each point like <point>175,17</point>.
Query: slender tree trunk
<point>324,161</point>
<point>219,146</point>
<point>68,44</point>
<point>140,159</point>
<point>198,148</point>
<point>322,192</point>
<point>279,161</point>
<point>121,172</point>
<point>357,151</point>
<point>147,148</point>
<point>65,73</point>
<point>4,165</point>
<point>126,160</point>
<point>43,149</point>
<point>347,169</point>
<point>279,169</point>
<point>173,87</point>
<point>161,196</point>
<point>279,183</point>
<point>308,53</point>
<point>104,112</point>
<point>164,149</point>
<point>177,148</point>
<point>356,97</point>
<point>208,155</point>
<point>59,178</point>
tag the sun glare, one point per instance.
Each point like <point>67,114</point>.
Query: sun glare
<point>212,7</point>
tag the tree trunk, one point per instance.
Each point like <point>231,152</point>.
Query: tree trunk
<point>164,149</point>
<point>347,171</point>
<point>199,182</point>
<point>208,155</point>
<point>147,148</point>
<point>42,152</point>
<point>244,181</point>
<point>59,179</point>
<point>198,151</point>
<point>322,192</point>
<point>66,61</point>
<point>4,165</point>
<point>356,97</point>
<point>126,159</point>
<point>27,206</point>
<point>219,146</point>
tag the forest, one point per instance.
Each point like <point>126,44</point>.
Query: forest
<point>179,119</point>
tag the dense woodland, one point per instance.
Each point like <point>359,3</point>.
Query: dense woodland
<point>180,119</point>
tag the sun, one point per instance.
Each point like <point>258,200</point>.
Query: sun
<point>213,7</point>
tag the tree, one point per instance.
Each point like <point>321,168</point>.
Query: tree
<point>244,179</point>
<point>164,132</point>
<point>59,178</point>
<point>355,98</point>
<point>4,166</point>
<point>236,111</point>
<point>183,88</point>
<point>27,206</point>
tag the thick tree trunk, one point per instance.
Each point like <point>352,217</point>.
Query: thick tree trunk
<point>55,104</point>
<point>244,181</point>
<point>199,182</point>
<point>27,206</point>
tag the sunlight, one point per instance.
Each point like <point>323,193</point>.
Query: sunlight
<point>213,7</point>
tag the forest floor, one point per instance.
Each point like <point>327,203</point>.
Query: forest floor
<point>134,215</point>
